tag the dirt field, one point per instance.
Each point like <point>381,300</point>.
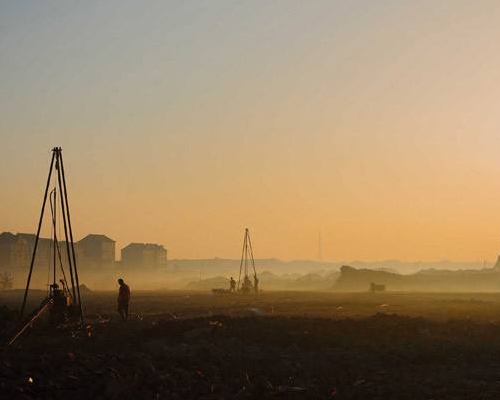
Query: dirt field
<point>180,345</point>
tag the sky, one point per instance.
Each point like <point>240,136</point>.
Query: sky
<point>371,123</point>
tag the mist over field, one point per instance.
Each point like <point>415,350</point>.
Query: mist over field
<point>303,275</point>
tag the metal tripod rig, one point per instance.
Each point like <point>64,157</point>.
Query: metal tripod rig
<point>246,263</point>
<point>57,165</point>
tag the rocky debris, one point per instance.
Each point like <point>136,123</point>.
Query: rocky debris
<point>256,357</point>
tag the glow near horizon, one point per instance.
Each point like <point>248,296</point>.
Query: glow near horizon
<point>184,122</point>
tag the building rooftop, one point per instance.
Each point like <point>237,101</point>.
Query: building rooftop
<point>143,245</point>
<point>96,238</point>
<point>7,237</point>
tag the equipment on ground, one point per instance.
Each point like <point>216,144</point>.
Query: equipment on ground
<point>247,264</point>
<point>62,302</point>
<point>374,287</point>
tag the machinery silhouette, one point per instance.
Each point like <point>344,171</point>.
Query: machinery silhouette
<point>247,264</point>
<point>63,301</point>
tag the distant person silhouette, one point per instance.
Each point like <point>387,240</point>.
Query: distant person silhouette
<point>123,299</point>
<point>232,283</point>
<point>246,287</point>
<point>255,284</point>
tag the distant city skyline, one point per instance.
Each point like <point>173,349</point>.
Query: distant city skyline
<point>185,122</point>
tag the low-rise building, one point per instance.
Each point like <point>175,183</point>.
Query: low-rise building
<point>95,251</point>
<point>144,255</point>
<point>16,250</point>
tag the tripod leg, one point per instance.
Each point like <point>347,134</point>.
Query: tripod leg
<point>241,262</point>
<point>38,232</point>
<point>65,223</point>
<point>80,309</point>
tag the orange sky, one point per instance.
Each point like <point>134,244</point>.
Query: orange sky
<point>182,123</point>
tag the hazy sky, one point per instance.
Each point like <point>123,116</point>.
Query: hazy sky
<point>182,122</point>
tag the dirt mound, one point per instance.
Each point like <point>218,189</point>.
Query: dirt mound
<point>359,280</point>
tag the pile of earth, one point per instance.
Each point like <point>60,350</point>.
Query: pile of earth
<point>256,357</point>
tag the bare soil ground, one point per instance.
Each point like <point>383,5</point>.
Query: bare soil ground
<point>180,345</point>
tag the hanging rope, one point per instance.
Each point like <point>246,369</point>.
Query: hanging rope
<point>51,247</point>
<point>55,243</point>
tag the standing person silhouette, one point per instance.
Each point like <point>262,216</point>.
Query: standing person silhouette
<point>123,299</point>
<point>255,284</point>
<point>232,285</point>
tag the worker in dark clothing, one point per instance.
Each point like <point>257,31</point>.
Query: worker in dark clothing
<point>232,285</point>
<point>123,299</point>
<point>255,284</point>
<point>246,286</point>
